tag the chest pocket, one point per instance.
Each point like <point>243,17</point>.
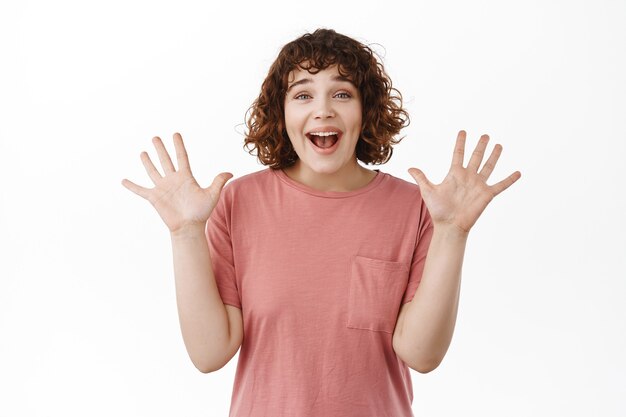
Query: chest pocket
<point>375,294</point>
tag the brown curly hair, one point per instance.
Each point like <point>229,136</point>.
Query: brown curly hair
<point>383,116</point>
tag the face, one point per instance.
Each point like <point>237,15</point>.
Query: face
<point>324,102</point>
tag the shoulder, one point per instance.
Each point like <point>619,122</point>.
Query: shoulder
<point>401,187</point>
<point>236,194</point>
<point>406,197</point>
<point>252,181</point>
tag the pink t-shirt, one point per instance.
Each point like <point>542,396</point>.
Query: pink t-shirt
<point>320,277</point>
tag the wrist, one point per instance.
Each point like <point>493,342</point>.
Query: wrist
<point>450,230</point>
<point>191,230</point>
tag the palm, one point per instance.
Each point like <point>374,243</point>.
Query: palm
<point>177,197</point>
<point>464,194</point>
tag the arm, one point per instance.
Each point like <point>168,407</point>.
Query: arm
<point>211,331</point>
<point>426,324</point>
<point>212,334</point>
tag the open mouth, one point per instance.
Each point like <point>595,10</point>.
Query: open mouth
<point>323,141</point>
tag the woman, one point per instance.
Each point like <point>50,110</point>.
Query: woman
<point>312,265</point>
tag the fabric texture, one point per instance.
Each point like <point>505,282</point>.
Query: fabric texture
<point>320,277</point>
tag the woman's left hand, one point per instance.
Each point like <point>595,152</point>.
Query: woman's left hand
<point>463,195</point>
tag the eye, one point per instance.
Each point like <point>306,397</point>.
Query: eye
<point>305,96</point>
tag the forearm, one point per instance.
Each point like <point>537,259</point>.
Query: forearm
<point>431,316</point>
<point>201,312</point>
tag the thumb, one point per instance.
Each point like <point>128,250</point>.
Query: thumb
<point>419,177</point>
<point>220,180</point>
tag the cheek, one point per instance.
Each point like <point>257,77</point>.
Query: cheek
<point>292,117</point>
<point>357,117</point>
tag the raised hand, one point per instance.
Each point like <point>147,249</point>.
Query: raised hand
<point>177,197</point>
<point>463,195</point>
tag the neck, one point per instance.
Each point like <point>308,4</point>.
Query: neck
<point>348,178</point>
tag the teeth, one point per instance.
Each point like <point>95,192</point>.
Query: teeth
<point>323,133</point>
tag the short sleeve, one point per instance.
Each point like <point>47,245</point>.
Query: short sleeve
<point>221,252</point>
<point>424,235</point>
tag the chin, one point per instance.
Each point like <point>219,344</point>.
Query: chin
<point>329,168</point>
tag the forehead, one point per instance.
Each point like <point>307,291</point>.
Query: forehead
<point>300,72</point>
<point>300,76</point>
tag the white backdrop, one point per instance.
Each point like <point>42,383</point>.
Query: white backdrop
<point>88,317</point>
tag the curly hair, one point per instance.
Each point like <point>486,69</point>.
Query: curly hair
<point>382,114</point>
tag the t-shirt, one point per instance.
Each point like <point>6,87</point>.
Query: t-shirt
<point>320,277</point>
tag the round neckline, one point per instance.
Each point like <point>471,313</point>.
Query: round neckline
<point>329,194</point>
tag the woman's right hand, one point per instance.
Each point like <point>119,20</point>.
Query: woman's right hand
<point>177,197</point>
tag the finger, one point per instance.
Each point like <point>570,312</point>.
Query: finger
<point>420,178</point>
<point>479,152</point>
<point>487,169</point>
<point>459,149</point>
<point>137,189</point>
<point>181,153</point>
<point>505,183</point>
<point>155,175</point>
<point>164,157</point>
<point>220,180</point>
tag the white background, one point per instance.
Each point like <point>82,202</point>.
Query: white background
<point>88,317</point>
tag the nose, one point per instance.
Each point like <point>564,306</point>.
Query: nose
<point>324,110</point>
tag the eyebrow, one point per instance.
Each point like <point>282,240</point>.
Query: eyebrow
<point>308,80</point>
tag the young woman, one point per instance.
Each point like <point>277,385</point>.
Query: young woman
<point>333,279</point>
